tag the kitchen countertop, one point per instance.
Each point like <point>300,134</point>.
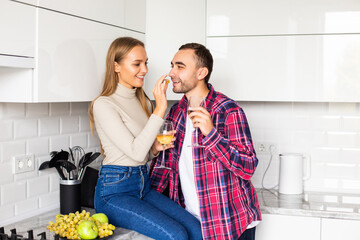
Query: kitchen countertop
<point>38,225</point>
<point>310,204</point>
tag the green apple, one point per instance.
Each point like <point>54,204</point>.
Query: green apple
<point>87,230</point>
<point>101,217</point>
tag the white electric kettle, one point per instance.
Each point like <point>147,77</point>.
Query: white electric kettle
<point>292,168</point>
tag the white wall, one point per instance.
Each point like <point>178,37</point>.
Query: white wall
<point>328,132</point>
<point>37,129</point>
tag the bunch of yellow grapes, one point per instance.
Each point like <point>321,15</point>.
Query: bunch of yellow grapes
<point>66,225</point>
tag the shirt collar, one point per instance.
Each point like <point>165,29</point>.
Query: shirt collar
<point>124,91</point>
<point>210,98</point>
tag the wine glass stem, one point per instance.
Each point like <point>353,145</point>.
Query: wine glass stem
<point>196,136</point>
<point>163,157</point>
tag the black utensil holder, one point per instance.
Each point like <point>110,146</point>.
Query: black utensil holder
<point>70,196</point>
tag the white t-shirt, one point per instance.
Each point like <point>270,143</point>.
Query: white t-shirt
<point>186,172</point>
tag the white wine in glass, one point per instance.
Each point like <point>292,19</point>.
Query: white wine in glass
<point>165,136</point>
<point>195,101</point>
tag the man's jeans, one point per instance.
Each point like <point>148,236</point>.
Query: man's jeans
<point>249,234</point>
<point>125,196</point>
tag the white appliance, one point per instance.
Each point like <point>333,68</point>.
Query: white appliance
<point>292,169</point>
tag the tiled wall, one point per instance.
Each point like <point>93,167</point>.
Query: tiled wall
<point>328,132</point>
<point>37,129</point>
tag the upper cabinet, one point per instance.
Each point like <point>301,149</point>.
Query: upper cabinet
<point>68,44</point>
<point>285,50</point>
<point>17,41</point>
<point>125,13</point>
<point>261,17</point>
<point>169,25</point>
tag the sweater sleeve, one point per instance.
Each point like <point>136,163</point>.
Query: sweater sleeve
<point>112,125</point>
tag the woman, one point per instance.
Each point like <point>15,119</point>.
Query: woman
<point>127,130</point>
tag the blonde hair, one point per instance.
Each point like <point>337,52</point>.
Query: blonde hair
<point>118,49</point>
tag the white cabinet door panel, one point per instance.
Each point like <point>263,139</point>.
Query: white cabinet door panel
<point>287,68</point>
<point>109,11</point>
<point>262,17</point>
<point>168,26</point>
<point>17,29</point>
<point>335,229</point>
<point>281,227</point>
<point>72,54</point>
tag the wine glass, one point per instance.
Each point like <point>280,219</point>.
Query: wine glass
<point>165,136</point>
<point>195,101</point>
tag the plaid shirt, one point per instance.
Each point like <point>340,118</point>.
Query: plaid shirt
<point>222,170</point>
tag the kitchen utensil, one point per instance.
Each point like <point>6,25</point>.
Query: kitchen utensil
<point>62,155</point>
<point>86,161</point>
<point>65,164</point>
<point>292,170</point>
<point>44,165</point>
<point>92,158</point>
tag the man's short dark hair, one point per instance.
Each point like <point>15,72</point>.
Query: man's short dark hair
<point>203,55</point>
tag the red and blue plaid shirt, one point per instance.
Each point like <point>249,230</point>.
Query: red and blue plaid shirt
<point>222,170</point>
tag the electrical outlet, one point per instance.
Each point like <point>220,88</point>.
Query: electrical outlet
<point>264,147</point>
<point>24,163</point>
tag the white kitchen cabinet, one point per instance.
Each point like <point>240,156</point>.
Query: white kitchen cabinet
<point>335,229</point>
<point>71,58</point>
<point>313,68</point>
<point>17,29</point>
<point>168,26</point>
<point>281,227</point>
<point>68,59</point>
<point>124,13</point>
<point>262,17</point>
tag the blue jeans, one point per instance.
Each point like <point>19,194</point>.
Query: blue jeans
<point>125,196</point>
<point>249,234</point>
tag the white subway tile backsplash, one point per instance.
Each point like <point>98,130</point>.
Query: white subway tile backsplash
<point>26,206</point>
<point>69,124</point>
<point>50,199</point>
<point>12,110</point>
<point>6,173</point>
<point>14,192</point>
<point>11,149</point>
<point>351,123</point>
<point>84,123</point>
<point>350,155</point>
<point>79,108</point>
<point>25,128</point>
<point>42,127</point>
<point>38,146</point>
<point>37,109</point>
<point>79,140</point>
<point>6,130</point>
<point>49,126</point>
<point>6,212</point>
<point>329,123</point>
<point>59,109</point>
<point>37,186</point>
<point>59,142</point>
<point>324,154</point>
<point>93,140</point>
<point>54,182</point>
<point>343,139</point>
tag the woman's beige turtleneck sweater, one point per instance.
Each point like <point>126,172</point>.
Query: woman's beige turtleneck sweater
<point>125,131</point>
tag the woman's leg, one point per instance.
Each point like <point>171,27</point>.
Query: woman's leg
<point>133,213</point>
<point>176,212</point>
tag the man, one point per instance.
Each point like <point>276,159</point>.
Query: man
<point>212,182</point>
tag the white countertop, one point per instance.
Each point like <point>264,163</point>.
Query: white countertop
<point>311,204</point>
